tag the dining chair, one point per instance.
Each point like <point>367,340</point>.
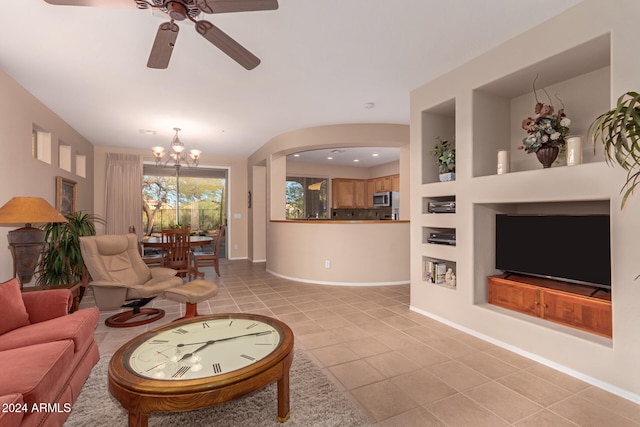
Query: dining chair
<point>176,250</point>
<point>202,259</point>
<point>154,258</point>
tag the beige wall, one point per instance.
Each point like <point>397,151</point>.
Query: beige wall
<point>20,173</point>
<point>332,171</point>
<point>479,192</point>
<point>358,254</point>
<point>237,240</point>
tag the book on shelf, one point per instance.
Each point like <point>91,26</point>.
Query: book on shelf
<point>429,271</point>
<point>441,271</point>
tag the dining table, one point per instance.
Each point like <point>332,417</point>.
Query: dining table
<point>194,241</point>
<point>156,242</point>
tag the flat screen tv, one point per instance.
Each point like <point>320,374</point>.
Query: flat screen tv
<point>572,248</point>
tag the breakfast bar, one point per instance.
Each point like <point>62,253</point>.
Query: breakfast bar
<point>339,252</point>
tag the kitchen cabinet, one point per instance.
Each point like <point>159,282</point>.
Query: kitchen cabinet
<point>582,307</point>
<point>395,182</point>
<point>360,193</point>
<point>348,193</point>
<point>369,190</point>
<point>386,183</point>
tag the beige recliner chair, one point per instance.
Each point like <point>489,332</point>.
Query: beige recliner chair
<point>118,274</point>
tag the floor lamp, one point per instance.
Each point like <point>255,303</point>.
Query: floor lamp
<point>26,243</point>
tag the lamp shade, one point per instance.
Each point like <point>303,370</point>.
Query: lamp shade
<point>29,210</point>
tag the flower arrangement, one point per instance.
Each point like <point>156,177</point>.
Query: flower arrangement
<point>445,154</point>
<point>547,129</point>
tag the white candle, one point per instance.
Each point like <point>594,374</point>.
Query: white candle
<point>503,162</point>
<point>574,150</point>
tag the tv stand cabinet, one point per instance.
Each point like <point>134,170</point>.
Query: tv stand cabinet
<point>578,306</point>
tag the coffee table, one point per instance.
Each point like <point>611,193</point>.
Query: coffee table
<point>200,362</point>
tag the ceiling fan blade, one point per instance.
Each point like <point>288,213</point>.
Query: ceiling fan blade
<point>131,4</point>
<point>226,44</point>
<point>163,45</point>
<point>224,6</point>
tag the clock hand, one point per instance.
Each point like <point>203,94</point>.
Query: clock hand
<point>188,355</point>
<point>226,339</point>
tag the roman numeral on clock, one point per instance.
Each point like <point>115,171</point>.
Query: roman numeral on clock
<point>253,325</point>
<point>216,368</point>
<point>158,341</point>
<point>248,357</point>
<point>180,331</point>
<point>180,372</point>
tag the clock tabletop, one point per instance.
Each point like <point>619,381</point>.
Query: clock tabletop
<point>191,344</point>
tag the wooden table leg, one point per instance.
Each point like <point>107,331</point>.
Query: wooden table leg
<point>138,419</point>
<point>283,394</point>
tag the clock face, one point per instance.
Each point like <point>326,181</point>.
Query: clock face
<point>203,348</point>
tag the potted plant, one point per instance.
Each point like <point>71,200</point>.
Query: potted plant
<point>547,131</point>
<point>61,262</point>
<point>445,154</point>
<point>619,131</point>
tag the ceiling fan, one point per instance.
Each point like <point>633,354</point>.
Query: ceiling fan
<point>179,10</point>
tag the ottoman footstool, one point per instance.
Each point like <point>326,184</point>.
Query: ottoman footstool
<point>191,294</point>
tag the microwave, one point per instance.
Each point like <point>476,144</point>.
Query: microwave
<point>382,199</point>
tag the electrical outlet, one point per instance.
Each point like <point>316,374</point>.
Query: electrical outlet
<point>327,263</point>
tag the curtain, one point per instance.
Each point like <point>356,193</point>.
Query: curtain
<point>123,193</point>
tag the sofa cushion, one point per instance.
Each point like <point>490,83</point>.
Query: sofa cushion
<point>77,327</point>
<point>13,314</point>
<point>38,372</point>
<point>47,304</point>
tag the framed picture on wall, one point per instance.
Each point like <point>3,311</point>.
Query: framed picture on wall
<point>66,195</point>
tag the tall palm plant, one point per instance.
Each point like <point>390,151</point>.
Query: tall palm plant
<point>619,131</point>
<point>61,261</point>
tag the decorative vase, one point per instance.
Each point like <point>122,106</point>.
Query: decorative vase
<point>449,176</point>
<point>547,155</point>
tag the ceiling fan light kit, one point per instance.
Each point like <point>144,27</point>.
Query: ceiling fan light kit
<point>180,10</point>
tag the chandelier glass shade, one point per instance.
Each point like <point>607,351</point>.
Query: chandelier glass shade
<point>176,154</point>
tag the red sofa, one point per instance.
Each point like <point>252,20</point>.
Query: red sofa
<point>46,355</point>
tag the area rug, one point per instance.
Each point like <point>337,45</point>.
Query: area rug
<point>315,401</point>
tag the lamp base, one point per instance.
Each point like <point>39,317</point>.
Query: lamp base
<point>26,245</point>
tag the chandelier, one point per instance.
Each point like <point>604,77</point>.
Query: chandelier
<point>176,154</point>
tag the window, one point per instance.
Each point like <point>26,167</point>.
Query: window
<point>306,197</point>
<point>196,199</point>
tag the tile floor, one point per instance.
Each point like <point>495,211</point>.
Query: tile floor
<point>401,368</point>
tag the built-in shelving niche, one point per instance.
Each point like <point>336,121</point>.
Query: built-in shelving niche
<point>427,231</point>
<point>484,219</point>
<point>426,209</point>
<point>64,157</point>
<point>81,165</point>
<point>427,262</point>
<point>580,77</point>
<point>41,144</point>
<point>437,122</point>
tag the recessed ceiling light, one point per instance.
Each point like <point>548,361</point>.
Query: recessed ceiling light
<point>337,151</point>
<point>369,105</point>
<point>296,155</point>
<point>147,131</point>
<point>375,155</point>
<point>356,160</point>
<point>329,158</point>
